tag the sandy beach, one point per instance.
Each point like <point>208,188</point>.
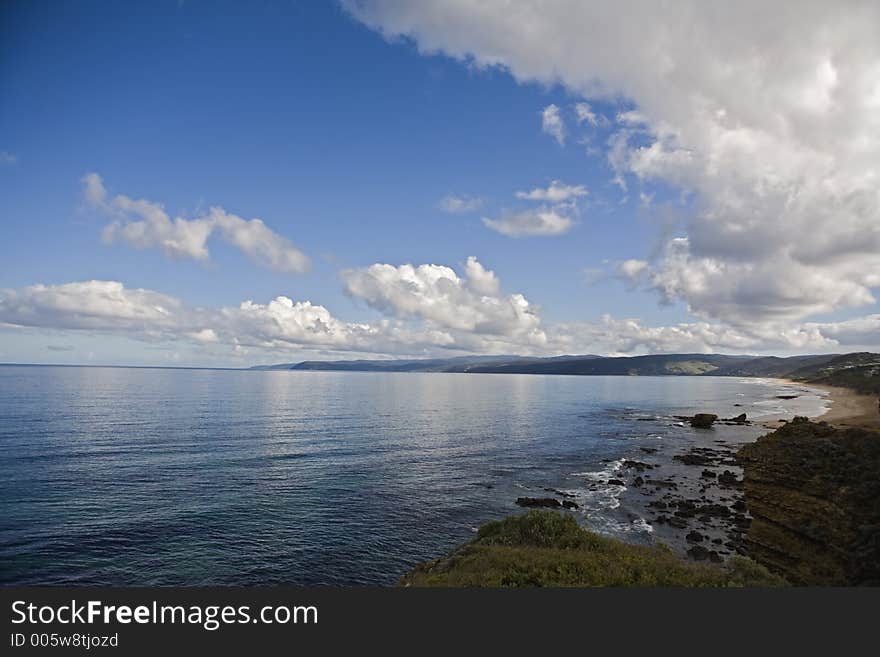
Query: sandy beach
<point>847,409</point>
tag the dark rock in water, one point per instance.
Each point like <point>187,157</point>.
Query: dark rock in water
<point>708,474</point>
<point>568,504</point>
<point>678,523</point>
<point>742,418</point>
<point>714,510</point>
<point>616,482</point>
<point>658,504</point>
<point>548,502</point>
<point>558,492</point>
<point>739,505</point>
<point>637,465</point>
<point>728,478</point>
<point>648,450</point>
<point>663,483</point>
<point>814,495</point>
<point>787,396</point>
<point>703,420</point>
<point>693,459</point>
<point>638,481</point>
<point>698,553</point>
<point>695,537</point>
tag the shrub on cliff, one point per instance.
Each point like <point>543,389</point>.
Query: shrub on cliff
<point>543,548</point>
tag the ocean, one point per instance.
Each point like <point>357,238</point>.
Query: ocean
<point>128,476</point>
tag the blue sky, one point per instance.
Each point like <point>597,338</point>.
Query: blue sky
<point>345,144</point>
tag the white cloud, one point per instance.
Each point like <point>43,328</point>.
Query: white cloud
<point>586,114</point>
<point>771,127</point>
<point>460,204</point>
<point>548,220</point>
<point>747,291</point>
<point>552,123</point>
<point>145,224</point>
<point>442,299</point>
<point>557,192</point>
<point>428,310</point>
<point>98,305</point>
<point>481,280</point>
<point>259,242</point>
<point>632,270</point>
<point>108,307</point>
<point>858,331</point>
<point>531,222</point>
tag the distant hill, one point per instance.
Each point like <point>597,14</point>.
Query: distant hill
<point>773,365</point>
<point>655,365</point>
<point>459,364</point>
<point>860,371</point>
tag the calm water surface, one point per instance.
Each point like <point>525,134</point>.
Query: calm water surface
<point>152,476</point>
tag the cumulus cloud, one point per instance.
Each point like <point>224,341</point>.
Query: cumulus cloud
<point>437,295</point>
<point>460,204</point>
<point>109,307</point>
<point>552,123</point>
<point>557,192</point>
<point>427,310</point>
<point>771,128</point>
<point>531,222</point>
<point>145,224</point>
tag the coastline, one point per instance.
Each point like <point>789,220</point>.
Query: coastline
<point>702,506</point>
<point>847,407</point>
<point>693,499</point>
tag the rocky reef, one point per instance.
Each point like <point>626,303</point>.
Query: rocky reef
<point>813,492</point>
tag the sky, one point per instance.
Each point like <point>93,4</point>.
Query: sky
<point>228,184</point>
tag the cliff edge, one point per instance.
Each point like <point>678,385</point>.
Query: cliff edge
<point>813,491</point>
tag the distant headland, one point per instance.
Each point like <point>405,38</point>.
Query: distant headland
<point>858,371</point>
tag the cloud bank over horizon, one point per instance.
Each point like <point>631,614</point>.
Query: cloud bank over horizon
<point>426,310</point>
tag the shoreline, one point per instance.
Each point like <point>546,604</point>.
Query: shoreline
<point>847,407</point>
<point>693,500</point>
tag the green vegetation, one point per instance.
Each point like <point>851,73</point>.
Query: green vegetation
<point>859,372</point>
<point>689,367</point>
<point>545,548</point>
<point>840,368</point>
<point>814,496</point>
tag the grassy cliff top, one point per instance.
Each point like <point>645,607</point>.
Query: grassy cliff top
<point>545,548</point>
